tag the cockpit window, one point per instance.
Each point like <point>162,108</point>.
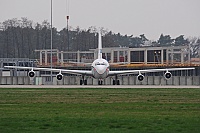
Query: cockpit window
<point>97,64</point>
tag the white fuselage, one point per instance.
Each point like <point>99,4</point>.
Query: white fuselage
<point>100,69</point>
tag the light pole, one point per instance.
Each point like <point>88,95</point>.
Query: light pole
<point>51,44</point>
<point>67,32</point>
<point>199,67</point>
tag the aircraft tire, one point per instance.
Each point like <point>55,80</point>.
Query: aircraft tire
<point>100,82</point>
<point>85,82</point>
<point>81,82</point>
<point>113,82</point>
<point>118,82</point>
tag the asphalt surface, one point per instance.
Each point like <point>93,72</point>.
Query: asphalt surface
<point>95,86</point>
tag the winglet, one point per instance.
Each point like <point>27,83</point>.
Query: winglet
<point>100,47</point>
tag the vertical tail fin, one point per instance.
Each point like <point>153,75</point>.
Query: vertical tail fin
<point>100,47</point>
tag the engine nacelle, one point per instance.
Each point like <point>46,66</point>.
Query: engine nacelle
<point>31,73</point>
<point>167,75</point>
<point>59,76</point>
<point>140,77</point>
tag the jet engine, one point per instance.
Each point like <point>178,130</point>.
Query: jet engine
<point>167,75</point>
<point>140,77</point>
<point>31,73</point>
<point>59,76</point>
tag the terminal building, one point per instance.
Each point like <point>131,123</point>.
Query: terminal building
<point>118,57</point>
<point>146,55</point>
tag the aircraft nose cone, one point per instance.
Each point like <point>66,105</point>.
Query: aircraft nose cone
<point>101,69</point>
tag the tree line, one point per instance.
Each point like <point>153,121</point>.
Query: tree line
<point>19,38</point>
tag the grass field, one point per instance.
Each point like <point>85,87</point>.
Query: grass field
<point>100,110</point>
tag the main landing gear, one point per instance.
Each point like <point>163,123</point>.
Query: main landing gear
<point>116,81</point>
<point>83,81</point>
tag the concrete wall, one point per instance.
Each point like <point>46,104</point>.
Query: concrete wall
<point>124,80</point>
<point>20,80</point>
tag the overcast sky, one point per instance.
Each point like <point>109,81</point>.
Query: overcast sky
<point>131,17</point>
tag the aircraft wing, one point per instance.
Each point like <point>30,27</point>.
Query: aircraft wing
<point>80,63</point>
<point>78,72</point>
<point>124,72</point>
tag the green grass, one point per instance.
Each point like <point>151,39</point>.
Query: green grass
<point>100,110</point>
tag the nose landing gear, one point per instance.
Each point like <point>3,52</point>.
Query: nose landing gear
<point>100,82</point>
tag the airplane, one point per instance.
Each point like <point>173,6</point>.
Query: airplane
<point>100,69</point>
